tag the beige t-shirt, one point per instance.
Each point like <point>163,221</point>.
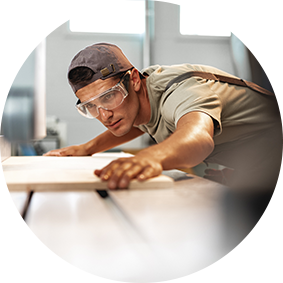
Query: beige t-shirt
<point>237,112</point>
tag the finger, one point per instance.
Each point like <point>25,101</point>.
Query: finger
<point>122,176</point>
<point>47,153</point>
<point>97,172</point>
<point>59,152</point>
<point>143,173</point>
<point>66,152</point>
<point>52,153</point>
<point>108,170</point>
<point>124,182</point>
<point>105,175</point>
<point>147,173</point>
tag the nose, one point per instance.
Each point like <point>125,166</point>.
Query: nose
<point>105,114</point>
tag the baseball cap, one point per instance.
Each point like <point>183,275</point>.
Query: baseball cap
<point>104,59</point>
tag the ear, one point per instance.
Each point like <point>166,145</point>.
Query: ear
<point>136,80</point>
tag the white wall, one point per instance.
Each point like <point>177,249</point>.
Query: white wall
<point>61,47</point>
<point>170,47</point>
<point>167,47</point>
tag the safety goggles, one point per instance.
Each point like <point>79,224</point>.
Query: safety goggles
<point>107,100</point>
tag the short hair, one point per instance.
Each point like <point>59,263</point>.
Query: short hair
<point>80,74</point>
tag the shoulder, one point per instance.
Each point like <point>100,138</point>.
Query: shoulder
<point>160,75</point>
<point>166,71</point>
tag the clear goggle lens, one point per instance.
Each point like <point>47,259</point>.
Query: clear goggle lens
<point>107,100</point>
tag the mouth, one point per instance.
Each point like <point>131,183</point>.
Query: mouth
<point>115,124</point>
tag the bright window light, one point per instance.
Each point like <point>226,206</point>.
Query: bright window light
<point>123,16</point>
<point>248,22</point>
<point>195,18</point>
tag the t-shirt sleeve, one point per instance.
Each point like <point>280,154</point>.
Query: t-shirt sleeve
<point>190,96</point>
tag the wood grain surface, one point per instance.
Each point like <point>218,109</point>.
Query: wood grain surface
<point>39,173</point>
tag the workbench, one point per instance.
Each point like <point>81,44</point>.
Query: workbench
<point>147,233</point>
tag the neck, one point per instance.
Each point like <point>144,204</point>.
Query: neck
<point>145,110</point>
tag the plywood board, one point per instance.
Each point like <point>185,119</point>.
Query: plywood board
<point>39,173</point>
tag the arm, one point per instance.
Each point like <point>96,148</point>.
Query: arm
<point>100,143</point>
<point>188,146</point>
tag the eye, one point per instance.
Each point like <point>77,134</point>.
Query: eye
<point>90,105</point>
<point>108,96</point>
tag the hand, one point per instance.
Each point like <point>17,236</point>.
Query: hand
<point>120,172</point>
<point>74,150</point>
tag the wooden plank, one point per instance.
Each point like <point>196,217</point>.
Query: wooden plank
<point>5,148</point>
<point>39,173</point>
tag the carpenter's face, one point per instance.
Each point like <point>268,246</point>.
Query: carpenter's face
<point>119,120</point>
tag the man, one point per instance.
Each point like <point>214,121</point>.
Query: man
<point>192,121</point>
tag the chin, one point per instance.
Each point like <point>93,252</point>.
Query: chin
<point>119,132</point>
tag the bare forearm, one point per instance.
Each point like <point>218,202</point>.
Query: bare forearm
<point>179,151</point>
<point>188,146</point>
<point>107,141</point>
<point>100,143</point>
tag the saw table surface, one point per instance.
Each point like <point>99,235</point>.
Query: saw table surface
<point>166,228</point>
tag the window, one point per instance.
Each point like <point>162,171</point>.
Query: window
<point>112,17</point>
<point>195,17</point>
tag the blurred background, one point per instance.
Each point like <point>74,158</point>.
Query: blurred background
<point>39,113</point>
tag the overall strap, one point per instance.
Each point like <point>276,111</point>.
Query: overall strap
<point>220,78</point>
